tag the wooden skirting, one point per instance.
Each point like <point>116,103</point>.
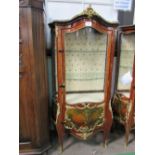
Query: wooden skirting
<point>27,149</point>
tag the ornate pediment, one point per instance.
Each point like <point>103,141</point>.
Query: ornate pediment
<point>89,12</point>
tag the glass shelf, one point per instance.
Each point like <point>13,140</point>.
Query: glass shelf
<point>125,66</point>
<point>92,51</point>
<point>85,79</point>
<point>85,76</point>
<point>129,50</point>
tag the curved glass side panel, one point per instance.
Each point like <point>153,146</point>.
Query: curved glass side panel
<point>85,56</point>
<point>126,63</point>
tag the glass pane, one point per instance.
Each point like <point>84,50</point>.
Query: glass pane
<point>126,61</point>
<point>85,54</point>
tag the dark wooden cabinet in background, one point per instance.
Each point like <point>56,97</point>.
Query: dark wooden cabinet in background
<point>33,92</point>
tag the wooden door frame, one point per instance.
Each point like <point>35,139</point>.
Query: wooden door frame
<point>61,58</point>
<point>123,30</point>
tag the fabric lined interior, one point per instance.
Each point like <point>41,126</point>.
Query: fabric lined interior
<point>126,59</point>
<point>85,55</point>
<point>84,97</point>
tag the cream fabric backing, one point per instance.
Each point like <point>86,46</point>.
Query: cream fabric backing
<point>85,54</point>
<point>84,97</point>
<point>126,59</point>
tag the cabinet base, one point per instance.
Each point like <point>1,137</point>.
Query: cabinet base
<point>26,149</point>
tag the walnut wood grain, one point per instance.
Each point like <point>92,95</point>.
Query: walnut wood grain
<point>33,95</point>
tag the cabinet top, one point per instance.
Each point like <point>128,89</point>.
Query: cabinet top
<point>88,13</point>
<point>127,28</point>
<point>38,4</point>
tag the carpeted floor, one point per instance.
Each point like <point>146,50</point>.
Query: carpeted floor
<point>94,146</point>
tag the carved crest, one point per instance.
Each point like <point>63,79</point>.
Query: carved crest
<point>89,12</point>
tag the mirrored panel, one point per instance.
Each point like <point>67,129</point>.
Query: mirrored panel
<point>85,56</point>
<point>127,51</point>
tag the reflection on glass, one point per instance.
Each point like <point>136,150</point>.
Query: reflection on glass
<point>126,62</point>
<point>85,54</point>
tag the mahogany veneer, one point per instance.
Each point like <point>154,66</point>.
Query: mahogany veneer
<point>33,102</point>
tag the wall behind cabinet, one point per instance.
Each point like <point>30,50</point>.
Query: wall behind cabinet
<point>67,9</point>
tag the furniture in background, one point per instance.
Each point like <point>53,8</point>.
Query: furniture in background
<point>123,102</point>
<point>84,51</point>
<point>33,94</point>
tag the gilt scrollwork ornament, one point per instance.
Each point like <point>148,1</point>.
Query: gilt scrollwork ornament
<point>89,12</point>
<point>128,110</point>
<point>58,112</point>
<point>110,108</point>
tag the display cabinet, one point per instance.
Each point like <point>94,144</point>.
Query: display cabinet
<point>123,102</point>
<point>84,50</point>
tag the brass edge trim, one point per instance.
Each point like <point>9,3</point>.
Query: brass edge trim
<point>58,112</point>
<point>110,108</point>
<point>129,110</point>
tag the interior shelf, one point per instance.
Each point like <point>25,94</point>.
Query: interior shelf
<point>129,50</point>
<point>128,67</point>
<point>86,79</point>
<point>85,76</point>
<point>88,51</point>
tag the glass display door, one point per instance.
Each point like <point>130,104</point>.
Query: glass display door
<point>85,57</point>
